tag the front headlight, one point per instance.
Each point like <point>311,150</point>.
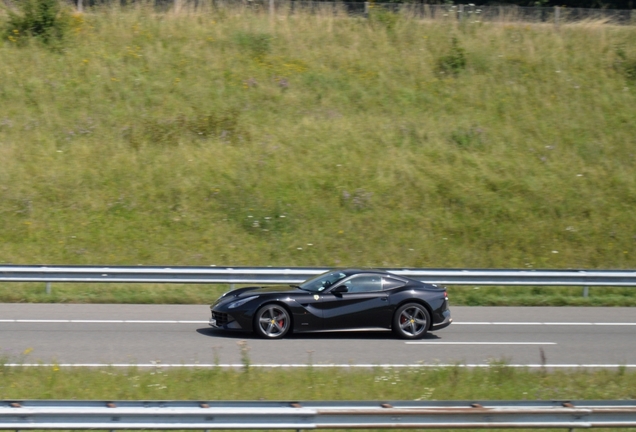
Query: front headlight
<point>240,302</point>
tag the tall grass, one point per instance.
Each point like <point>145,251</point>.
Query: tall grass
<point>226,137</point>
<point>496,382</point>
<point>207,294</point>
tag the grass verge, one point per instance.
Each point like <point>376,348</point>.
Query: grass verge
<point>206,294</point>
<point>225,137</point>
<point>497,382</point>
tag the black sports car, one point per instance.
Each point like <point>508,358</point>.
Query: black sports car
<point>338,299</point>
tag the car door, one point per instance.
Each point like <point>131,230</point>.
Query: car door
<point>306,308</point>
<point>363,304</point>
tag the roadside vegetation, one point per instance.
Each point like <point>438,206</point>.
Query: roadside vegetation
<point>225,137</point>
<point>496,382</point>
<point>206,294</point>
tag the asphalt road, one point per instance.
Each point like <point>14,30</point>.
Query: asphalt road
<point>179,335</point>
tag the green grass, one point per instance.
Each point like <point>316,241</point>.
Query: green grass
<point>444,383</point>
<point>497,382</point>
<point>226,137</point>
<point>206,294</point>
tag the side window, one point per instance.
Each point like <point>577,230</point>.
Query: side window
<point>390,283</point>
<point>364,284</point>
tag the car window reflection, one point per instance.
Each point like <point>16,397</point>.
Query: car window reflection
<point>322,281</point>
<point>364,284</point>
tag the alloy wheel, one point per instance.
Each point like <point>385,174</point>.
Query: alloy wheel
<point>411,321</point>
<point>272,321</point>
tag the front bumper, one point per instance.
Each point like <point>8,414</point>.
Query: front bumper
<point>223,320</point>
<point>445,323</point>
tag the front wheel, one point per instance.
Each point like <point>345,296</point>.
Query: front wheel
<point>272,321</point>
<point>411,321</point>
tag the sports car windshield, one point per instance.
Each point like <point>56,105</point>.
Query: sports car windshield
<point>322,281</point>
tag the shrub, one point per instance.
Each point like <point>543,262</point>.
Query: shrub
<point>46,20</point>
<point>257,44</point>
<point>224,126</point>
<point>471,138</point>
<point>454,62</point>
<point>625,63</point>
<point>380,17</point>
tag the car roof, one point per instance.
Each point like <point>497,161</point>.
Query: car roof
<point>352,271</point>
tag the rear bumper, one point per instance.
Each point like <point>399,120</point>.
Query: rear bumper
<point>445,323</point>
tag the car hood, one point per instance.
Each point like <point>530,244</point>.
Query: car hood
<point>252,291</point>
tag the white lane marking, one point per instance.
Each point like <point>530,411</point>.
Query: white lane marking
<point>496,323</point>
<point>79,321</point>
<point>618,324</point>
<point>297,365</point>
<point>480,343</point>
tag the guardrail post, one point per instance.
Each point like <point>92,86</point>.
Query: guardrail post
<point>48,288</point>
<point>586,291</point>
<point>557,15</point>
<point>460,14</point>
<point>366,9</point>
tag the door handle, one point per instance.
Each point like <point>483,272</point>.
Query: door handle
<point>384,299</point>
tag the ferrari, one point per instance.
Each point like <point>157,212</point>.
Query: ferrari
<point>336,300</point>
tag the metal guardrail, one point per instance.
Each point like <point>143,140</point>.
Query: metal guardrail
<point>281,275</point>
<point>207,415</point>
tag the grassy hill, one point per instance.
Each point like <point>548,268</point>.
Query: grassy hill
<point>226,137</point>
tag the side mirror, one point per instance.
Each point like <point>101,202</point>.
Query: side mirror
<point>340,289</point>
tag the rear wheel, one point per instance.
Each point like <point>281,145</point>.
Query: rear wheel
<point>272,321</point>
<point>411,321</point>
